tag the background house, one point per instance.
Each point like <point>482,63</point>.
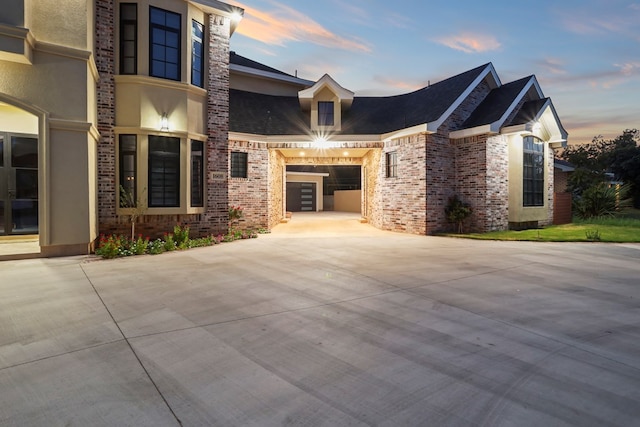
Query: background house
<point>471,135</point>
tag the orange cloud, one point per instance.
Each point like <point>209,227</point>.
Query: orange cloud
<point>285,24</point>
<point>398,84</point>
<point>470,43</point>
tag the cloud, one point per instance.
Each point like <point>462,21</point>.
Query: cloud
<point>284,24</point>
<point>597,21</point>
<point>552,66</point>
<point>470,42</point>
<point>398,84</point>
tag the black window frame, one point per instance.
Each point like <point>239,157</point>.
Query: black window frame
<point>128,178</point>
<point>125,26</point>
<point>239,164</point>
<point>197,173</point>
<point>197,52</point>
<point>533,171</point>
<point>326,116</point>
<point>391,164</point>
<point>163,172</point>
<point>163,47</point>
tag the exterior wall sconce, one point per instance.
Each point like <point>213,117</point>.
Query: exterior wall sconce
<point>537,126</point>
<point>164,123</point>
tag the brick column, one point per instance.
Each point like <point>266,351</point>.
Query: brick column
<point>105,62</point>
<point>218,124</point>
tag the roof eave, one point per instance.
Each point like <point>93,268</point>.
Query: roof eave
<point>220,8</point>
<point>242,69</point>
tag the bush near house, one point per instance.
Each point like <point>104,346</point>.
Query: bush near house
<point>118,245</point>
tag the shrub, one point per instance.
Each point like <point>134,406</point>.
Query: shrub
<point>457,212</point>
<point>601,200</point>
<point>181,236</point>
<point>156,247</point>
<point>169,243</point>
<point>108,246</point>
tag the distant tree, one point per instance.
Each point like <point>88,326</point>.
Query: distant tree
<point>619,156</point>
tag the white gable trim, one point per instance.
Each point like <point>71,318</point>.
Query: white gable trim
<point>344,95</point>
<point>489,71</point>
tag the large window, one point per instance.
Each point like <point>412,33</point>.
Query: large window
<point>128,38</point>
<point>164,44</point>
<point>238,164</point>
<point>164,171</point>
<point>391,164</point>
<point>197,54</point>
<point>128,171</point>
<point>325,113</point>
<point>533,172</point>
<point>197,173</point>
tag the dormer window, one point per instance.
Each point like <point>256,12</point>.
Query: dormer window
<point>325,113</point>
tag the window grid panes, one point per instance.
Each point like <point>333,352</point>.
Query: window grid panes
<point>164,44</point>
<point>164,171</point>
<point>391,165</point>
<point>128,38</point>
<point>128,170</point>
<point>325,113</point>
<point>197,173</point>
<point>238,164</point>
<point>197,54</point>
<point>533,172</point>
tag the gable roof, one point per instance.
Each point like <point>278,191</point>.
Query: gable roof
<point>367,115</point>
<point>496,104</point>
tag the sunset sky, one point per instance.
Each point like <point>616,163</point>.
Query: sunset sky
<point>585,53</point>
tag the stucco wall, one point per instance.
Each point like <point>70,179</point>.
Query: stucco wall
<point>347,200</point>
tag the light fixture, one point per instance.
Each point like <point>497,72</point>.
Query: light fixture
<point>302,153</point>
<point>537,126</point>
<point>236,16</point>
<point>164,123</point>
<point>346,153</point>
<point>319,140</point>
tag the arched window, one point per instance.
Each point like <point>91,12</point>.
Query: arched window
<point>533,172</point>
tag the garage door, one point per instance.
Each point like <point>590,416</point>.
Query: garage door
<point>301,196</point>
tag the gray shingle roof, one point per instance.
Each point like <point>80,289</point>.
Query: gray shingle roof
<point>528,112</point>
<point>281,115</point>
<point>236,59</point>
<point>493,107</point>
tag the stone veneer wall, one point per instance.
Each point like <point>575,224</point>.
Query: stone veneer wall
<point>550,187</point>
<point>215,219</point>
<point>399,202</point>
<point>370,169</point>
<point>276,180</point>
<point>252,192</point>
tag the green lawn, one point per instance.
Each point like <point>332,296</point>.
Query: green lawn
<point>624,228</point>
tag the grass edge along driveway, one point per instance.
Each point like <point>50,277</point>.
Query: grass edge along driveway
<point>612,230</point>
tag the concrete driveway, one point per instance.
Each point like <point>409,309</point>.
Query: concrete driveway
<point>364,328</point>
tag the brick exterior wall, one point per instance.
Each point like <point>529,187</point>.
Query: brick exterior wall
<point>399,202</point>
<point>456,167</point>
<point>217,215</point>
<point>497,195</point>
<point>215,218</point>
<point>105,63</point>
<point>252,192</point>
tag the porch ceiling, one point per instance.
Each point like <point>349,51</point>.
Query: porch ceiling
<point>323,152</point>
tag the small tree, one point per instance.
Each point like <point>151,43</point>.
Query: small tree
<point>457,212</point>
<point>602,200</point>
<point>137,207</point>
